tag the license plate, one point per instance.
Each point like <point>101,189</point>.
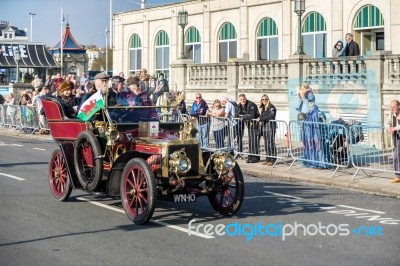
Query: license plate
<point>184,198</point>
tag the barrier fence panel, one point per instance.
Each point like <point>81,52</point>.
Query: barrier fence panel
<point>12,116</point>
<point>319,145</point>
<point>3,115</point>
<point>29,119</point>
<point>214,132</point>
<point>374,153</point>
<point>261,140</point>
<point>170,114</point>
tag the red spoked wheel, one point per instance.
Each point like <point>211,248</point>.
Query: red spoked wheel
<point>138,191</point>
<point>228,192</point>
<point>60,183</point>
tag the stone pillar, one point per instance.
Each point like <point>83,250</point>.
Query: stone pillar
<point>179,76</point>
<point>375,62</point>
<point>232,80</point>
<point>297,73</point>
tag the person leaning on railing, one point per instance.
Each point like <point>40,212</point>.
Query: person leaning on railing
<point>199,110</point>
<point>267,128</point>
<point>392,124</point>
<point>248,112</point>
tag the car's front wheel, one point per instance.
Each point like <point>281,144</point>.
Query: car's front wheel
<point>138,191</point>
<point>228,192</point>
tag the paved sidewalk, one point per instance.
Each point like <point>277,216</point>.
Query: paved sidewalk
<point>378,184</point>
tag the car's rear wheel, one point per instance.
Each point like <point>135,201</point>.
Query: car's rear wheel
<point>59,181</point>
<point>228,192</point>
<point>88,161</point>
<point>138,191</point>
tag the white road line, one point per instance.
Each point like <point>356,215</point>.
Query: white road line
<point>254,197</point>
<point>13,177</point>
<point>39,149</point>
<point>360,209</point>
<point>282,195</point>
<point>153,221</point>
<point>9,145</point>
<point>343,206</point>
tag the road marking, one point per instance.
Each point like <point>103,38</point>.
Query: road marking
<point>39,149</point>
<point>360,209</point>
<point>254,197</point>
<point>9,145</point>
<point>294,202</point>
<point>178,228</point>
<point>13,177</point>
<point>282,195</point>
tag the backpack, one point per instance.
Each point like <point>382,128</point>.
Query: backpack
<point>236,109</point>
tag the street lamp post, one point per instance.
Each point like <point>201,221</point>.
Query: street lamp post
<point>299,8</point>
<point>31,14</point>
<point>106,34</point>
<point>17,57</point>
<point>182,21</point>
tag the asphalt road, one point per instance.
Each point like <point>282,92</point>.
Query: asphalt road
<point>341,227</point>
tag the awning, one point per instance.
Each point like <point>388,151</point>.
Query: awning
<point>32,55</point>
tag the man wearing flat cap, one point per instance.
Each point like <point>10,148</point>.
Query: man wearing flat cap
<point>101,81</point>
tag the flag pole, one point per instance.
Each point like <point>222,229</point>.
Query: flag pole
<point>61,43</point>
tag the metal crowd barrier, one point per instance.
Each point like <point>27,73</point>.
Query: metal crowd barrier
<point>23,118</point>
<point>3,116</point>
<point>29,119</point>
<point>214,132</point>
<point>269,140</point>
<point>372,154</point>
<point>12,117</point>
<point>319,145</point>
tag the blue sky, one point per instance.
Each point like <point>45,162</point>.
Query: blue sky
<point>87,18</point>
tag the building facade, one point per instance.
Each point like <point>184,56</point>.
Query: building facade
<point>251,30</point>
<point>247,46</point>
<point>20,59</point>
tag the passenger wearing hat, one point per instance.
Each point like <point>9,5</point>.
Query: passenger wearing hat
<point>66,98</point>
<point>139,97</point>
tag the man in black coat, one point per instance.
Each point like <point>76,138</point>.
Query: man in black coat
<point>248,111</point>
<point>352,48</point>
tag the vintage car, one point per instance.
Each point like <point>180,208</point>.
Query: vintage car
<point>140,161</point>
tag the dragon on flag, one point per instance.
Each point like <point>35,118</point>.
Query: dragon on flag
<point>93,104</point>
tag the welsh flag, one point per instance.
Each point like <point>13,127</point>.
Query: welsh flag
<point>93,104</point>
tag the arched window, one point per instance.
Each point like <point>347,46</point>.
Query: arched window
<point>267,40</point>
<point>135,54</point>
<point>314,35</point>
<point>193,45</point>
<point>227,42</point>
<point>162,53</point>
<point>369,29</point>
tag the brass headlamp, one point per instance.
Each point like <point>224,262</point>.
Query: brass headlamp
<point>223,162</point>
<point>179,163</point>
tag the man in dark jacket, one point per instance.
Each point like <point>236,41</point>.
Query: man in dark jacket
<point>352,48</point>
<point>247,112</point>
